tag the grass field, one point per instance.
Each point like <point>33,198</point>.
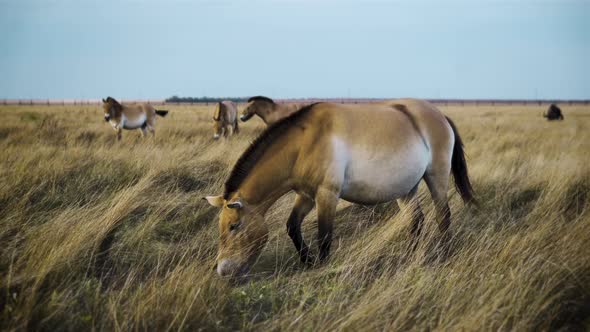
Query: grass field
<point>96,234</point>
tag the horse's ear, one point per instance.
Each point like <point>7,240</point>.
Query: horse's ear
<point>104,101</point>
<point>216,201</point>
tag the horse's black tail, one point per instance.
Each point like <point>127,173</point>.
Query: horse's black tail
<point>161,113</point>
<point>459,168</point>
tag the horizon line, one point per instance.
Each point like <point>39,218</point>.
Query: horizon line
<point>344,100</point>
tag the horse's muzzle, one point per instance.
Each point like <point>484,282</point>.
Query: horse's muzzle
<point>246,117</point>
<point>107,118</point>
<point>228,268</point>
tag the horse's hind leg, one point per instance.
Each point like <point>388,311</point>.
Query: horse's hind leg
<point>438,184</point>
<point>301,208</point>
<point>411,203</point>
<point>236,126</point>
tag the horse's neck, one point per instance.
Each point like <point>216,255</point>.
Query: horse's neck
<point>119,111</point>
<point>270,178</point>
<point>267,114</point>
<point>283,109</point>
<point>288,109</point>
<point>263,204</point>
<point>276,112</point>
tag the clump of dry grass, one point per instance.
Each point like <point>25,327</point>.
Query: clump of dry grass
<point>97,234</point>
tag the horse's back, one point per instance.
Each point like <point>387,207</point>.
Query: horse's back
<point>386,124</point>
<point>139,109</point>
<point>375,152</point>
<point>431,122</point>
<point>230,111</point>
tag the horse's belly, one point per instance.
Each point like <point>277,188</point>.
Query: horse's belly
<point>377,177</point>
<point>134,123</point>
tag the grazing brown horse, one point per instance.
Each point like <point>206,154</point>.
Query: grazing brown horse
<point>553,113</point>
<point>134,116</point>
<point>365,154</point>
<point>269,111</point>
<point>225,119</point>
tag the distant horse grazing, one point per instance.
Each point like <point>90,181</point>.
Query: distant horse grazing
<point>553,113</point>
<point>134,116</point>
<point>269,111</point>
<point>225,119</point>
<point>365,154</point>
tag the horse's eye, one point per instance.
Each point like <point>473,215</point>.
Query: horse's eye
<point>235,226</point>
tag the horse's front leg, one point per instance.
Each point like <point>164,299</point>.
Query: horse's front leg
<point>119,133</point>
<point>303,205</point>
<point>326,202</point>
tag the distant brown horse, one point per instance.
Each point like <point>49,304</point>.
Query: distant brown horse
<point>269,111</point>
<point>553,113</point>
<point>134,116</point>
<point>225,119</point>
<point>364,154</point>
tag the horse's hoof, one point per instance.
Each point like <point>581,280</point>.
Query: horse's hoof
<point>309,260</point>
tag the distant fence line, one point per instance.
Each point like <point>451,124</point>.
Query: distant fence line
<point>71,101</point>
<point>445,102</point>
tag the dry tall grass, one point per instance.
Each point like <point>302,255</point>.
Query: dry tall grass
<point>101,235</point>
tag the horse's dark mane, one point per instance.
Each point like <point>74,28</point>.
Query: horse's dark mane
<point>256,150</point>
<point>114,102</point>
<point>111,99</point>
<point>261,98</point>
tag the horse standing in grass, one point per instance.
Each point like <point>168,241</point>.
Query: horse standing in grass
<point>135,116</point>
<point>225,119</point>
<point>269,111</point>
<point>365,154</point>
<point>553,113</point>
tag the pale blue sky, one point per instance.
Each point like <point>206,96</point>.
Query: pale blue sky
<point>295,48</point>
